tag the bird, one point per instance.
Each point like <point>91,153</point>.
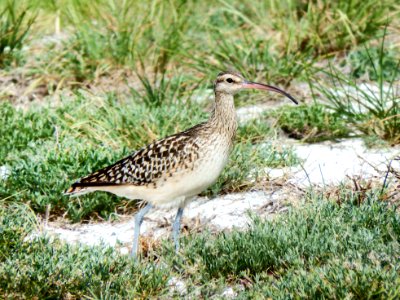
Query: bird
<point>171,171</point>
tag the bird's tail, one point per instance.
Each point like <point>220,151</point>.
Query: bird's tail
<point>75,190</point>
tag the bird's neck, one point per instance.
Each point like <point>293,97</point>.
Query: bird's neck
<point>223,116</point>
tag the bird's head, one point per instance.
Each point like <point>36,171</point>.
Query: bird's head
<point>233,82</point>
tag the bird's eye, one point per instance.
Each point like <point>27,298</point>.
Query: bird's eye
<point>230,80</point>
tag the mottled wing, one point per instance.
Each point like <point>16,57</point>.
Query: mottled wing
<point>146,166</point>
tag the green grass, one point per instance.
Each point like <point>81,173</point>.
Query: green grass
<point>45,268</point>
<point>371,108</point>
<point>15,24</point>
<point>17,130</point>
<point>311,123</point>
<point>363,63</point>
<point>254,58</point>
<point>320,27</point>
<point>323,249</point>
<point>278,40</point>
<point>271,40</point>
<point>120,34</point>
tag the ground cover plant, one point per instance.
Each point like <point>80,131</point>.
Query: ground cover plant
<point>43,268</point>
<point>15,25</point>
<point>84,83</point>
<point>324,249</point>
<point>311,123</point>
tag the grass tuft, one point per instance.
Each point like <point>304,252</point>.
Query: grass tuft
<point>364,63</point>
<point>311,123</point>
<point>15,24</point>
<point>372,108</point>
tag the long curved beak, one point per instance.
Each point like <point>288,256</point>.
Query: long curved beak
<point>260,86</point>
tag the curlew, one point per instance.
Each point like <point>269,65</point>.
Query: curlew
<point>171,171</point>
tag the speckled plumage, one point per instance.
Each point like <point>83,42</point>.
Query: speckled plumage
<point>153,168</point>
<point>145,167</point>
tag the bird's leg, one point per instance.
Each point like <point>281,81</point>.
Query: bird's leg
<point>138,222</point>
<point>176,227</point>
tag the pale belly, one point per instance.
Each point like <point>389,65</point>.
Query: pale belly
<point>176,191</point>
<point>188,184</point>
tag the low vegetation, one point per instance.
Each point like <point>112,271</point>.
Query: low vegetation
<point>40,267</point>
<point>84,83</point>
<point>324,249</point>
<point>311,123</point>
<point>372,108</point>
<point>15,25</point>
